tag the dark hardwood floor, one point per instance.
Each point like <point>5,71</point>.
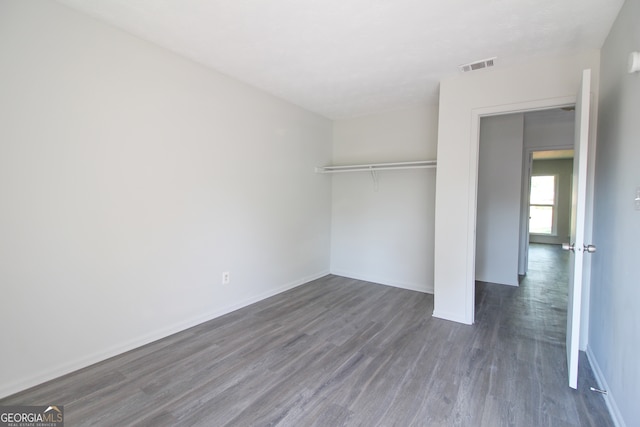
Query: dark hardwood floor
<point>338,351</point>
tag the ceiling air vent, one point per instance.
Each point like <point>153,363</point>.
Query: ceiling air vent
<point>478,65</point>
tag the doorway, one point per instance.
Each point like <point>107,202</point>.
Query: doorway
<point>578,225</point>
<point>515,151</point>
<point>546,208</point>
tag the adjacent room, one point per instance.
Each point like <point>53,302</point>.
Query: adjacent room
<point>320,213</point>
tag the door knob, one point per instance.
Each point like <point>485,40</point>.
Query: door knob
<point>571,247</point>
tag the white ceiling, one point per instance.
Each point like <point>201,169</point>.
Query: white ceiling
<point>346,58</point>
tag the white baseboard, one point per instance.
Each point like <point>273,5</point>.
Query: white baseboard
<point>451,316</point>
<point>396,284</point>
<point>609,399</point>
<point>83,362</point>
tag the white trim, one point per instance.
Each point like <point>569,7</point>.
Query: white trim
<point>83,362</point>
<point>609,399</point>
<point>380,281</point>
<point>550,148</point>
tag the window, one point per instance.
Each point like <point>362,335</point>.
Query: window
<point>542,205</point>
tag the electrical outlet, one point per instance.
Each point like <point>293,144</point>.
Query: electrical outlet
<point>225,278</point>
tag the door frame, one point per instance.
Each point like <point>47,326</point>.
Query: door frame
<point>474,149</point>
<point>525,196</point>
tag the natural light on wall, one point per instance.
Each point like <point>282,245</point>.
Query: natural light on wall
<point>542,204</point>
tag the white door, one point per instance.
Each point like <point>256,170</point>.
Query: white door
<point>577,245</point>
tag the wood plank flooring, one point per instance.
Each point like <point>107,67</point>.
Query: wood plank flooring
<point>339,352</point>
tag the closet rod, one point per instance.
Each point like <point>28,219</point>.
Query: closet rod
<point>423,164</point>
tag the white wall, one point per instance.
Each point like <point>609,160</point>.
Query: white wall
<point>463,99</point>
<point>549,129</point>
<point>499,189</point>
<point>563,170</point>
<point>614,342</point>
<point>385,236</point>
<point>130,179</point>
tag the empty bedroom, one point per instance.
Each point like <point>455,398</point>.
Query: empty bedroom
<point>253,213</point>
